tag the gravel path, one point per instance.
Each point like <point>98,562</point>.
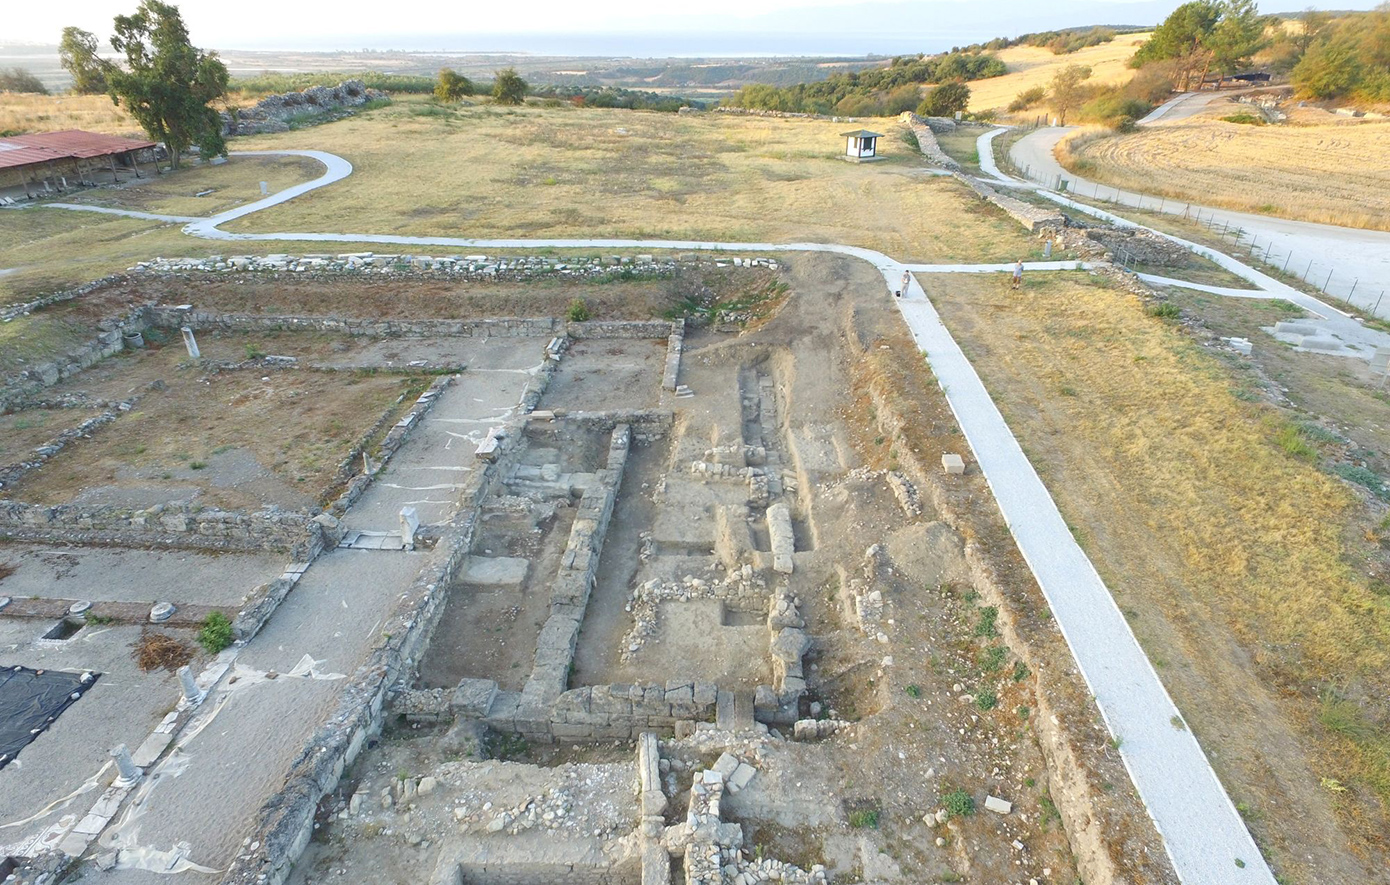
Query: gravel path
<point>1205,836</point>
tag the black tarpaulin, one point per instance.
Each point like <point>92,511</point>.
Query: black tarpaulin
<point>30,700</point>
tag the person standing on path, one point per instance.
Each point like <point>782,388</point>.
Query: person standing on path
<point>1018,275</point>
<point>907,280</point>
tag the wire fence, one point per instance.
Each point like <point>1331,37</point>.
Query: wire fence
<point>1317,272</point>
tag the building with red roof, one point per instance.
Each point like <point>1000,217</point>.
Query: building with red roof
<point>50,159</point>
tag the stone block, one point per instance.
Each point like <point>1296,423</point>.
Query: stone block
<point>726,765</point>
<point>953,463</point>
<point>473,698</point>
<point>741,776</point>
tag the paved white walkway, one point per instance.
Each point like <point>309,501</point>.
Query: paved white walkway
<point>1204,834</point>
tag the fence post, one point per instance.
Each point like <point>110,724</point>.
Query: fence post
<point>1353,289</point>
<point>1308,270</point>
<point>1326,281</point>
<point>1286,261</point>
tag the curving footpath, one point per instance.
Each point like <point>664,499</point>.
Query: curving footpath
<point>1202,831</point>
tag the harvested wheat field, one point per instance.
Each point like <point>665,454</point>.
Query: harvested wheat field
<point>1031,66</point>
<point>422,169</point>
<point>1332,174</point>
<point>1228,554</point>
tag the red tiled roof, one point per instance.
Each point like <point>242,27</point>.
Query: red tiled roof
<point>25,150</point>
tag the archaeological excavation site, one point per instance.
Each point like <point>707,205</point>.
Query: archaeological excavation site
<point>524,569</point>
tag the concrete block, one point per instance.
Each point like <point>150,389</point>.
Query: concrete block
<point>953,463</point>
<point>998,806</point>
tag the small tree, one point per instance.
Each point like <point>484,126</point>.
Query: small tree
<point>167,82</point>
<point>451,86</point>
<point>945,100</point>
<point>20,80</point>
<point>1067,92</point>
<point>509,88</point>
<point>78,54</point>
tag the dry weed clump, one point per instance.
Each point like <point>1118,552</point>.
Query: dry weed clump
<point>156,651</point>
<point>1331,174</point>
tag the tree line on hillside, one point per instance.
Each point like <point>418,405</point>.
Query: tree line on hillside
<point>1207,41</point>
<point>881,91</point>
<point>1061,42</point>
<point>1348,57</point>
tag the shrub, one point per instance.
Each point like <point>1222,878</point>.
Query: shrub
<point>985,627</point>
<point>864,819</point>
<point>20,80</point>
<point>945,100</point>
<point>1245,119</point>
<point>986,699</point>
<point>1164,310</point>
<point>451,86</point>
<point>1367,479</point>
<point>578,311</point>
<point>215,633</point>
<point>509,88</point>
<point>1028,98</point>
<point>958,803</point>
<point>1295,444</point>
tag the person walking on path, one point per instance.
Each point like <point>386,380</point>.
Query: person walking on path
<point>1018,275</point>
<point>907,280</point>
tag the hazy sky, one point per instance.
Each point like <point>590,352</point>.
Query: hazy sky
<point>604,26</point>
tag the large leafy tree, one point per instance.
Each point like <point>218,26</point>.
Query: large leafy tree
<point>78,54</point>
<point>509,88</point>
<point>167,83</point>
<point>945,100</point>
<point>1237,36</point>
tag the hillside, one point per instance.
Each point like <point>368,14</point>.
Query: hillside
<point>1035,65</point>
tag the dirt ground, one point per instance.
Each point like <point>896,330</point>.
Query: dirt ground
<point>1212,538</point>
<point>233,439</point>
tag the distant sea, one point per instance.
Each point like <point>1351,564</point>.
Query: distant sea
<point>720,44</point>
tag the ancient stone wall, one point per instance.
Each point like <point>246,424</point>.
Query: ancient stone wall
<point>287,820</point>
<point>12,473</point>
<point>275,113</point>
<point>162,525</point>
<point>926,141</point>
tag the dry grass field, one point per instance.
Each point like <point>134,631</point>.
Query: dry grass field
<point>23,113</point>
<point>1231,556</point>
<point>565,172</point>
<point>1333,174</point>
<point>1031,66</point>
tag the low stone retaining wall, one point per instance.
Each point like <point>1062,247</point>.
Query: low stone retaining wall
<point>18,310</point>
<point>569,592</point>
<point>14,472</point>
<point>161,525</point>
<point>1034,218</point>
<point>163,317</point>
<point>108,341</point>
<point>675,345</point>
<point>358,483</point>
<point>406,266</point>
